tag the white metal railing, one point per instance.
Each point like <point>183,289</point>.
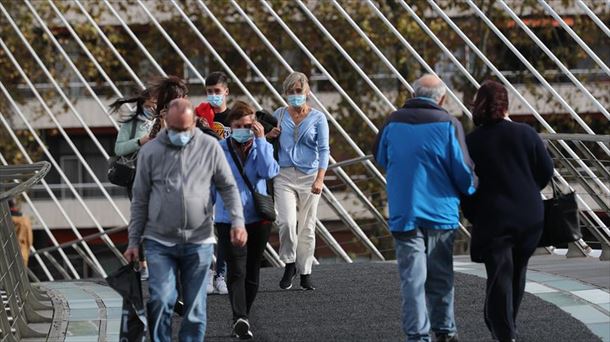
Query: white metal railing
<point>187,12</point>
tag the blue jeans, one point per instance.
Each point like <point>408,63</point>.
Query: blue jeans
<point>425,264</point>
<point>191,262</point>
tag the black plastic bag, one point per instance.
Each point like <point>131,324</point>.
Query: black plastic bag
<point>126,281</point>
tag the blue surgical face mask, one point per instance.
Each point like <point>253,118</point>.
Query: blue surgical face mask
<point>296,100</point>
<point>148,113</point>
<point>216,100</point>
<point>241,135</point>
<point>179,139</point>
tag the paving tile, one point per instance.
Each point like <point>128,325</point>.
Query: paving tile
<point>595,296</point>
<point>478,273</point>
<point>82,328</point>
<point>601,329</point>
<point>605,306</point>
<point>569,285</point>
<point>561,299</point>
<point>587,314</point>
<point>537,288</point>
<point>542,277</point>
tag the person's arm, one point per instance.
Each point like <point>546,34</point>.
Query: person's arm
<point>543,164</point>
<point>139,205</point>
<point>225,184</point>
<point>461,167</point>
<point>123,145</point>
<point>323,155</point>
<point>266,166</point>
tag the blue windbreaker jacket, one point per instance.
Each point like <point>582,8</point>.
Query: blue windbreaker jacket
<point>427,166</point>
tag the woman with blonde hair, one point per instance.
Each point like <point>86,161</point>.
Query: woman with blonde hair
<point>303,155</point>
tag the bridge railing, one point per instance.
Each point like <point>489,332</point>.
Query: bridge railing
<point>20,300</point>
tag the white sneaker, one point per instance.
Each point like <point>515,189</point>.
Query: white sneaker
<point>220,285</point>
<point>210,288</point>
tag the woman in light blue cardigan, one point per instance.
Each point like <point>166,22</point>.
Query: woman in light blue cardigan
<point>303,157</point>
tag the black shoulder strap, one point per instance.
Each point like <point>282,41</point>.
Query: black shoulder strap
<point>134,125</point>
<point>239,166</point>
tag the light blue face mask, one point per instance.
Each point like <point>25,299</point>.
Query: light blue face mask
<point>148,113</point>
<point>216,100</point>
<point>241,135</point>
<point>179,139</point>
<point>296,100</point>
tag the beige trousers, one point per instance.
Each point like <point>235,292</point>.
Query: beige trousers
<point>296,210</point>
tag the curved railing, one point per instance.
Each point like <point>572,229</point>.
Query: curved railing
<point>20,300</point>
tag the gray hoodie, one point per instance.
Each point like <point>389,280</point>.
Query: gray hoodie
<point>171,193</point>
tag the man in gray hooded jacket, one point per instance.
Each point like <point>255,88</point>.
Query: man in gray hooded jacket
<point>172,211</point>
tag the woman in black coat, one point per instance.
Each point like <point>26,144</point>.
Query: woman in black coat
<point>506,212</point>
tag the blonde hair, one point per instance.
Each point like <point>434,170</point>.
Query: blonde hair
<point>294,79</point>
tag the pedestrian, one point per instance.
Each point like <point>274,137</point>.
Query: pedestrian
<point>303,155</point>
<point>23,230</point>
<point>506,212</point>
<point>172,211</point>
<point>248,150</point>
<point>135,129</point>
<point>422,148</point>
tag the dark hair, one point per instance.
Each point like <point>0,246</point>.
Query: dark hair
<point>139,100</point>
<point>217,77</point>
<point>166,89</point>
<point>239,110</point>
<point>490,103</point>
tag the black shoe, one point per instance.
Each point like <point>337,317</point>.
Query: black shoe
<point>444,337</point>
<point>179,308</point>
<point>290,271</point>
<point>241,329</point>
<point>306,282</point>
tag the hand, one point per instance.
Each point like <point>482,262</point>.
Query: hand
<point>132,254</point>
<point>316,187</point>
<point>258,129</point>
<point>144,140</point>
<point>239,236</point>
<point>274,133</point>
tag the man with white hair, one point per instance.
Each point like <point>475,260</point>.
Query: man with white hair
<point>427,165</point>
<point>172,211</point>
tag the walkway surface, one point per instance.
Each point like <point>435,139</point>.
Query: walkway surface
<point>361,302</point>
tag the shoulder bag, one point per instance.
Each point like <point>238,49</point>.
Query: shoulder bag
<point>263,203</point>
<point>122,169</point>
<point>561,222</point>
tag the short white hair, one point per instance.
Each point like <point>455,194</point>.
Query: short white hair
<point>435,92</point>
<point>294,79</point>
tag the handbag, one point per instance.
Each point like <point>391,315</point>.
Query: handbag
<point>122,169</point>
<point>263,203</point>
<point>561,221</point>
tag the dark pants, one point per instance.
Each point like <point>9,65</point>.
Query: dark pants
<point>243,265</point>
<point>506,266</point>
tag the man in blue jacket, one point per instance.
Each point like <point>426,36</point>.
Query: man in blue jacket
<point>427,167</point>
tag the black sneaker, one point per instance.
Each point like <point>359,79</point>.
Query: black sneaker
<point>306,282</point>
<point>290,271</point>
<point>444,337</point>
<point>241,329</point>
